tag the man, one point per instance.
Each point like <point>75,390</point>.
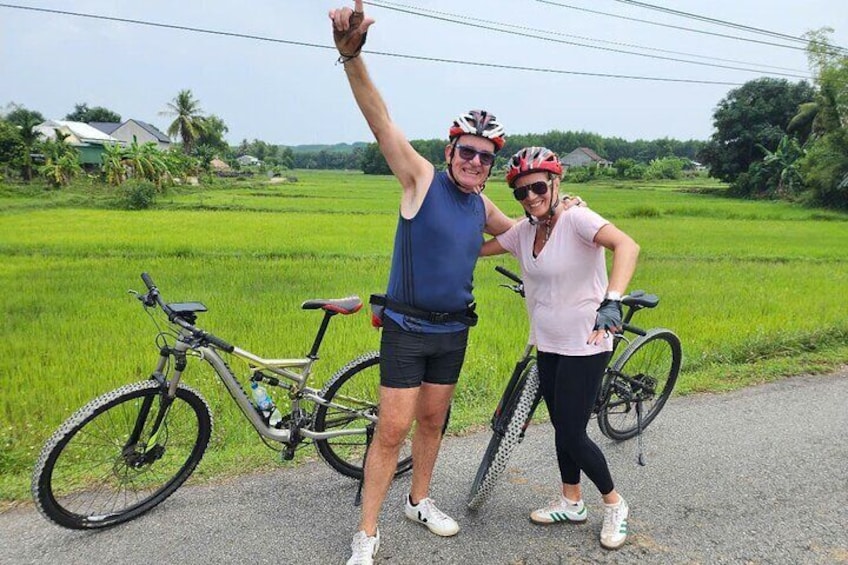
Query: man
<point>429,303</point>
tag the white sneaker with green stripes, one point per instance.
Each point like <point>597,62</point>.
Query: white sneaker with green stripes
<point>614,530</point>
<point>560,509</point>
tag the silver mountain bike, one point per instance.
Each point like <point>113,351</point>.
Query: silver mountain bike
<point>128,450</point>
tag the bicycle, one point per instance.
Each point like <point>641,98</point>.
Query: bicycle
<point>635,387</point>
<point>126,451</point>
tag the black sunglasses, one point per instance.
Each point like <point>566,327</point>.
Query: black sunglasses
<point>538,187</point>
<point>467,153</point>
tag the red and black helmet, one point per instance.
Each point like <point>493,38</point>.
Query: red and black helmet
<point>479,123</point>
<point>532,160</point>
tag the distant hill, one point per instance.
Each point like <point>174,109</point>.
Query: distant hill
<point>337,148</point>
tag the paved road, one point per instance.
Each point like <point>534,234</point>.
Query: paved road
<point>755,476</point>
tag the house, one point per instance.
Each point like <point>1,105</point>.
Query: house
<point>583,157</point>
<point>246,160</point>
<point>695,166</point>
<point>88,140</point>
<point>141,131</point>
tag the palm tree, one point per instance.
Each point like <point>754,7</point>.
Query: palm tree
<point>29,136</point>
<point>804,123</point>
<point>189,122</point>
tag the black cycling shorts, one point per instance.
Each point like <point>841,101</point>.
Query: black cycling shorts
<point>409,358</point>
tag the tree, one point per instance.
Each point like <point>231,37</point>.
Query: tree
<point>82,113</point>
<point>20,116</point>
<point>11,147</point>
<point>141,162</point>
<point>825,165</point>
<point>780,169</point>
<point>113,164</point>
<point>757,113</point>
<point>61,161</point>
<point>188,119</point>
<point>373,162</point>
<point>25,121</point>
<point>664,168</point>
<point>287,158</point>
<point>211,134</point>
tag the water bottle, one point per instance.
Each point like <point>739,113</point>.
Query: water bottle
<point>265,404</point>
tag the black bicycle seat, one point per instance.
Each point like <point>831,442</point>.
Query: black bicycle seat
<point>639,298</point>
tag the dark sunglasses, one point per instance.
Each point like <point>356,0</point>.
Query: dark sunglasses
<point>467,153</point>
<point>538,187</point>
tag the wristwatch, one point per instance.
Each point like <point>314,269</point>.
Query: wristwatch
<point>613,295</point>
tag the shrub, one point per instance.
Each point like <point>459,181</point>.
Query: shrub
<point>136,194</point>
<point>665,168</point>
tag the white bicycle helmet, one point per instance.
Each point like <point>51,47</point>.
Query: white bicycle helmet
<point>479,123</point>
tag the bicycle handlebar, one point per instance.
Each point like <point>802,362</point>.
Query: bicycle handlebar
<point>153,293</point>
<point>509,274</point>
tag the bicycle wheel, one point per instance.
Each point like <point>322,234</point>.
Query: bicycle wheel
<point>90,473</point>
<point>646,372</point>
<point>355,394</point>
<point>513,420</point>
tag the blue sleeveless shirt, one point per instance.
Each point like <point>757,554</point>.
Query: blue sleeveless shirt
<point>435,253</point>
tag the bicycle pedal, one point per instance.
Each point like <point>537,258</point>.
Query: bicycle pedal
<point>287,453</point>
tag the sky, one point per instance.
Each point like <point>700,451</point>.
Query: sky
<point>282,85</point>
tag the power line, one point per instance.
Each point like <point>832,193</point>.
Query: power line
<point>725,23</point>
<point>448,17</point>
<point>162,25</point>
<point>693,30</point>
<point>553,71</point>
<point>381,53</point>
<point>524,28</point>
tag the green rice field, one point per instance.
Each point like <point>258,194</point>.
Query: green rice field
<point>754,290</point>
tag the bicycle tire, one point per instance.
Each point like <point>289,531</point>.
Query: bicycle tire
<point>356,385</point>
<point>513,420</point>
<point>653,359</point>
<point>88,477</point>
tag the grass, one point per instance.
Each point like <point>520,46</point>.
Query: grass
<point>751,288</point>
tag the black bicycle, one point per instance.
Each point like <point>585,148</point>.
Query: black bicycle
<point>635,387</point>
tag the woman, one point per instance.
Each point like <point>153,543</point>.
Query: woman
<point>573,311</point>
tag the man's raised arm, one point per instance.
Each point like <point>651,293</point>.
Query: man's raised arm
<point>350,28</point>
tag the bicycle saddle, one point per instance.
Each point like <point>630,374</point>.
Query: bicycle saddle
<point>639,298</point>
<point>349,305</point>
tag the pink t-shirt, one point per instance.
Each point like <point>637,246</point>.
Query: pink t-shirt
<point>565,284</point>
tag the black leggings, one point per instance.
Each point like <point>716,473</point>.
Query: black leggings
<point>569,387</point>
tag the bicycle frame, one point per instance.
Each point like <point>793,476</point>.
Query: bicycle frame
<point>137,444</point>
<point>296,373</point>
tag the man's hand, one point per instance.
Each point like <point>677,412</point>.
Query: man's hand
<point>569,200</point>
<point>350,28</point>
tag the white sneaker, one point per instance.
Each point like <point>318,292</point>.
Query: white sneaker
<point>425,512</point>
<point>560,509</point>
<point>614,530</point>
<point>364,548</point>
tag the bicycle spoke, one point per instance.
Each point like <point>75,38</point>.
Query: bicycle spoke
<point>90,476</point>
<point>645,373</point>
<point>355,394</point>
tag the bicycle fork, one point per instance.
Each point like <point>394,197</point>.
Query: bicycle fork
<point>152,450</point>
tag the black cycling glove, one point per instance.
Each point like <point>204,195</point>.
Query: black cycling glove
<point>609,315</point>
